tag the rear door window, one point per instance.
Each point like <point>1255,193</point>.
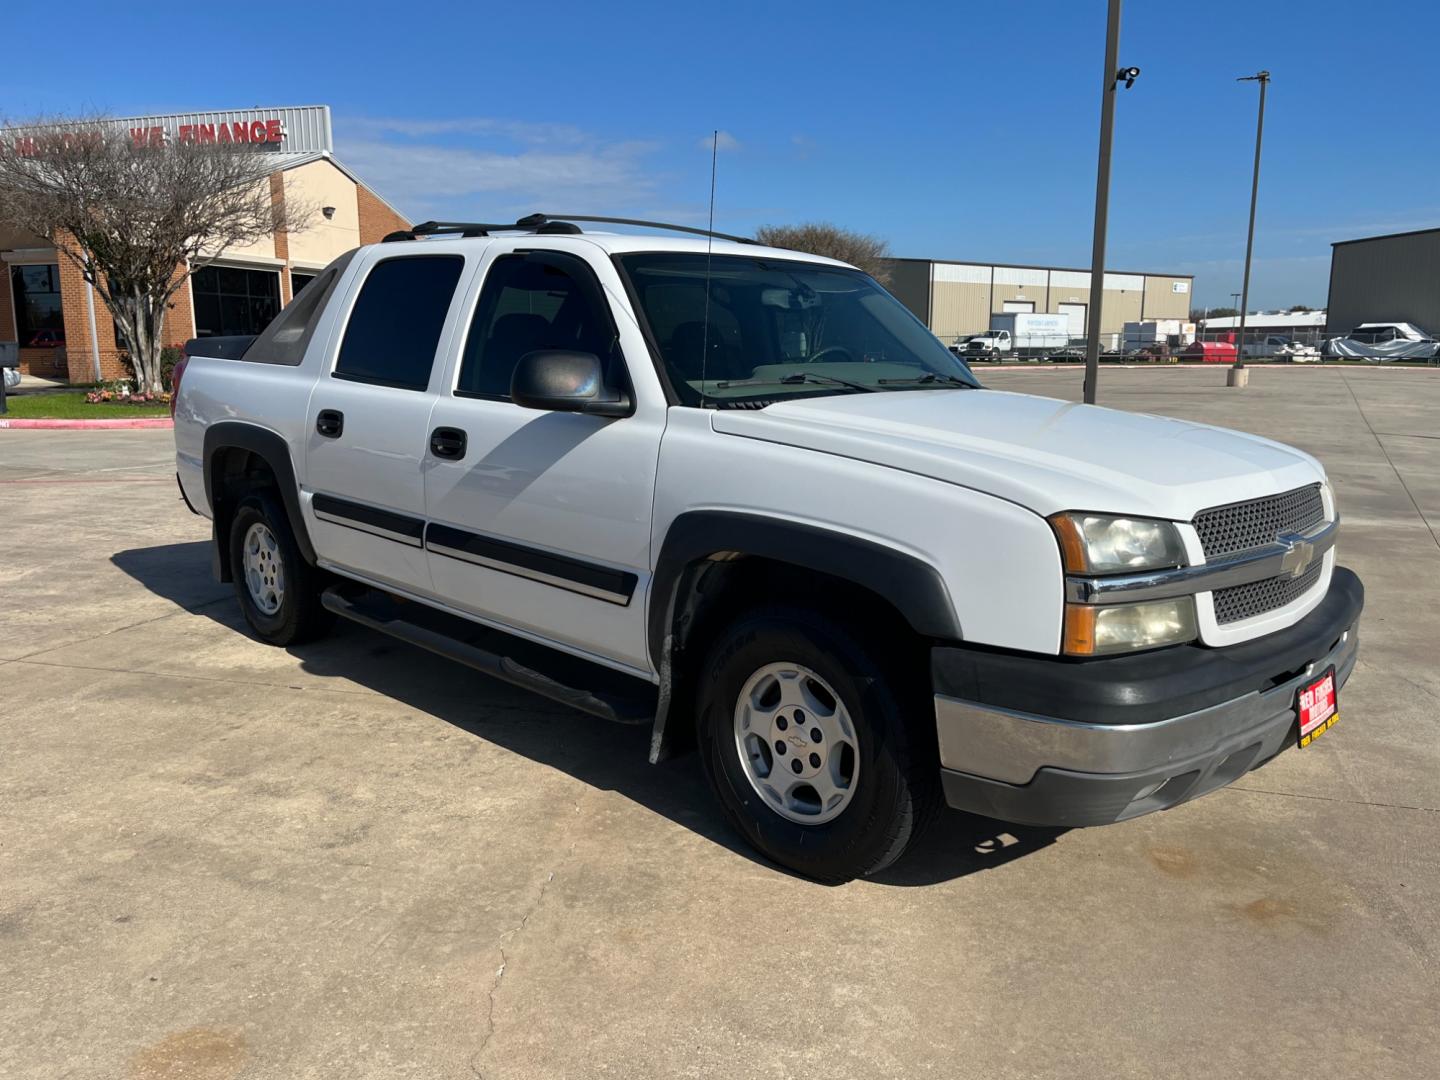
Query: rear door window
<point>395,326</point>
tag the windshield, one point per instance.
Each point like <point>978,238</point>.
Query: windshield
<point>779,329</point>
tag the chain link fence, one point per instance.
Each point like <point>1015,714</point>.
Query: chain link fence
<point>1301,345</point>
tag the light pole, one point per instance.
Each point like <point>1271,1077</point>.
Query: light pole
<point>1263,78</point>
<point>1114,75</point>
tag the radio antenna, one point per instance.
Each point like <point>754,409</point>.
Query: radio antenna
<point>709,244</point>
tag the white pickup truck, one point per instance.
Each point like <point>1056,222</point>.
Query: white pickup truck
<point>741,495</point>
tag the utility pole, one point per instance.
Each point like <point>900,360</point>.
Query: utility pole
<point>1263,78</point>
<point>1114,75</point>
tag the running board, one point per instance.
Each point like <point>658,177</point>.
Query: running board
<point>569,680</point>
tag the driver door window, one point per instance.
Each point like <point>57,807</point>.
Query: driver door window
<point>526,306</point>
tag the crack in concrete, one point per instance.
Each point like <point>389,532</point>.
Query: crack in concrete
<point>508,935</point>
<point>1332,798</point>
<point>119,629</point>
<point>1393,468</point>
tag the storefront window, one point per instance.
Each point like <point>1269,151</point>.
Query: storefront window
<point>298,281</point>
<point>38,315</point>
<point>230,300</point>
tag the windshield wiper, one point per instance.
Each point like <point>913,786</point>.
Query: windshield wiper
<point>930,377</point>
<point>794,379</point>
<point>810,376</point>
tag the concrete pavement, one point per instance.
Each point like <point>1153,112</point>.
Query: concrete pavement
<point>222,860</point>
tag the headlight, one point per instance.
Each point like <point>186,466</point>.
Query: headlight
<point>1113,628</point>
<point>1097,544</point>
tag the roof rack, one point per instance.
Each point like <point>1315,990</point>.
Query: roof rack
<point>545,224</point>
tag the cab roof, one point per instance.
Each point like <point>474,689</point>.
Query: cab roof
<point>693,240</point>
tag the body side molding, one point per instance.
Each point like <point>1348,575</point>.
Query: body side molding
<point>522,560</point>
<point>402,528</point>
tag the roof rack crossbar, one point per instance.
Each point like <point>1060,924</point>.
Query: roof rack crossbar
<point>534,222</point>
<point>654,225</point>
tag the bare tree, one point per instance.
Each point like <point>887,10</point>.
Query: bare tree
<point>869,253</point>
<point>136,218</point>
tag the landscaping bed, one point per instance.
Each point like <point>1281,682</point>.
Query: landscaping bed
<point>71,405</point>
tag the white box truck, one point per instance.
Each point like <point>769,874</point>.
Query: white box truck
<point>1176,333</point>
<point>1020,333</point>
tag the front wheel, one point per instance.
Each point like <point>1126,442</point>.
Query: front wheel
<point>279,592</point>
<point>808,745</point>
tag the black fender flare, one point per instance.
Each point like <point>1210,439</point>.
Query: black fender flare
<point>911,585</point>
<point>271,448</point>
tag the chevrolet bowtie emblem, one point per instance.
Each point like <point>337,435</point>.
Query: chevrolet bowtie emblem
<point>1299,554</point>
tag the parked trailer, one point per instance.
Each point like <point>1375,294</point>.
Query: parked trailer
<point>1176,333</point>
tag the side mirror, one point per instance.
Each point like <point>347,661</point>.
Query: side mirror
<point>563,381</point>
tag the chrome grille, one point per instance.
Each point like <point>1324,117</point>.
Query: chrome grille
<point>1246,601</point>
<point>1243,525</point>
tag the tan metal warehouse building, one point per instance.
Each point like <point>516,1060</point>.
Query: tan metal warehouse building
<point>956,299</point>
<point>1393,278</point>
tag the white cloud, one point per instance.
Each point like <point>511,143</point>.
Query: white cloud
<point>483,168</point>
<point>382,127</point>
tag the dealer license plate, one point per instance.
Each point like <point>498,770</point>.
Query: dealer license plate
<point>1317,708</point>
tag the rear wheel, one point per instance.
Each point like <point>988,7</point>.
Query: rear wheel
<point>807,743</point>
<point>279,592</point>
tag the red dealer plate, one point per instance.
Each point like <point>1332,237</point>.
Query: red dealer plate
<point>1316,707</point>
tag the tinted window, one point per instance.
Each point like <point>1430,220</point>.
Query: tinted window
<point>285,340</point>
<point>739,330</point>
<point>38,316</point>
<point>395,326</point>
<point>232,300</point>
<point>528,305</point>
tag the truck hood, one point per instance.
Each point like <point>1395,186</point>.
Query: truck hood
<point>1042,453</point>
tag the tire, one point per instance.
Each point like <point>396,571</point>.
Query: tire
<point>892,768</point>
<point>285,608</point>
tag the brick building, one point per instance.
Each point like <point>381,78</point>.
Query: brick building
<point>64,330</point>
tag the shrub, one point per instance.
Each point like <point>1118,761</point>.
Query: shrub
<point>169,357</point>
<point>121,392</point>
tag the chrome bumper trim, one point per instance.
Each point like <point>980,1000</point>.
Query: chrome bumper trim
<point>1290,553</point>
<point>1011,746</point>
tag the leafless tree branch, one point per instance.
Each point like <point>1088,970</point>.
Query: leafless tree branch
<point>137,220</point>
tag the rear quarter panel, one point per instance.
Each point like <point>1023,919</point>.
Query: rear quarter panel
<point>267,396</point>
<point>275,397</point>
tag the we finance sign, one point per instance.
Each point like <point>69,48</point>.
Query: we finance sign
<point>265,132</point>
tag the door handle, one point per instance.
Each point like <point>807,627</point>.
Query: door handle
<point>330,423</point>
<point>448,442</point>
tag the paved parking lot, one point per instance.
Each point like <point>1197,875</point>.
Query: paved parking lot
<point>220,860</point>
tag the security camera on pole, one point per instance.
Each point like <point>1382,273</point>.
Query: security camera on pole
<point>1114,76</point>
<point>1238,376</point>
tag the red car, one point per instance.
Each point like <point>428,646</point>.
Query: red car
<point>46,339</point>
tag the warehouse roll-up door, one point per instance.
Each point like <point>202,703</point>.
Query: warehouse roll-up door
<point>1077,318</point>
<point>1024,307</point>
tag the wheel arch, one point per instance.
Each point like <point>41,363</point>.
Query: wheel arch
<point>703,551</point>
<point>235,450</point>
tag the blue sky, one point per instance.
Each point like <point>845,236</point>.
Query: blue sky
<point>959,130</point>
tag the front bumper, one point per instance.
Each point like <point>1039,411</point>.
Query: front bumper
<point>1049,741</point>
